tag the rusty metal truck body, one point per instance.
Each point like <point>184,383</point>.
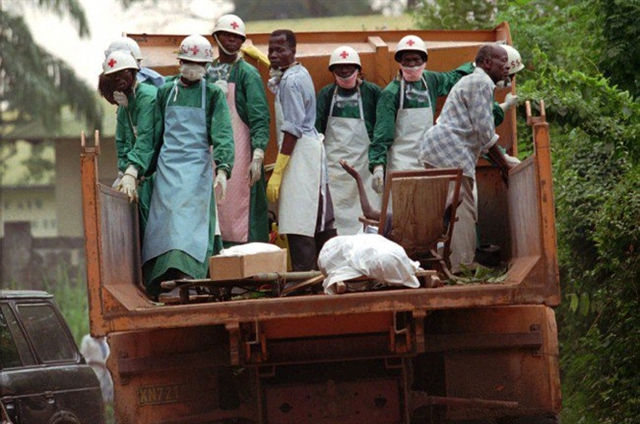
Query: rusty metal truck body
<point>457,352</point>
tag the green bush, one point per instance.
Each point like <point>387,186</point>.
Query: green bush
<point>570,49</point>
<point>596,150</point>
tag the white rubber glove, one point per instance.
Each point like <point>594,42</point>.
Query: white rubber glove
<point>121,98</point>
<point>511,160</point>
<point>509,100</point>
<point>377,183</point>
<point>129,183</point>
<point>255,169</point>
<point>221,181</point>
<point>116,182</point>
<point>223,85</point>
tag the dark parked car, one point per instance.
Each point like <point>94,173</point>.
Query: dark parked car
<point>43,377</point>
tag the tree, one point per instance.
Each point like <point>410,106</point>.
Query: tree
<point>291,9</point>
<point>447,14</point>
<point>35,84</point>
<point>595,133</point>
<point>620,58</point>
<point>581,56</point>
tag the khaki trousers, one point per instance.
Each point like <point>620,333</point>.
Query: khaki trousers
<point>463,240</point>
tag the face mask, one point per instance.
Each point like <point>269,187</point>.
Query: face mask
<point>275,75</point>
<point>192,72</point>
<point>348,82</point>
<point>504,83</point>
<point>412,73</point>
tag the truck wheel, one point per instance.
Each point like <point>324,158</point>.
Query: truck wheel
<point>64,417</point>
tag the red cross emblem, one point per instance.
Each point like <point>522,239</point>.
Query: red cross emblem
<point>195,50</point>
<point>411,42</point>
<point>235,25</point>
<point>344,54</point>
<point>112,63</point>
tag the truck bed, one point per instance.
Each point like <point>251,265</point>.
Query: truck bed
<point>119,304</point>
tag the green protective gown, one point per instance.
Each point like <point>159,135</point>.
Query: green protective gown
<point>438,83</point>
<point>498,114</point>
<point>253,109</point>
<point>220,136</point>
<point>136,137</point>
<point>370,93</point>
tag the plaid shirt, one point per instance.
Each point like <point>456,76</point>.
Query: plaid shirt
<point>465,127</point>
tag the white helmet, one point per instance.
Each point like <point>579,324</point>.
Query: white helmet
<point>230,23</point>
<point>196,48</point>
<point>411,43</point>
<point>119,60</point>
<point>345,55</point>
<point>125,44</point>
<point>513,59</point>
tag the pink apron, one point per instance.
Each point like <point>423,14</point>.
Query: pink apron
<point>234,209</point>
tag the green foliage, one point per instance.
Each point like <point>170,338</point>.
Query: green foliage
<point>563,29</point>
<point>596,152</point>
<point>447,14</point>
<point>36,84</point>
<point>595,36</point>
<point>291,9</point>
<point>71,8</point>
<point>580,56</point>
<point>70,294</point>
<point>620,58</point>
<point>479,275</point>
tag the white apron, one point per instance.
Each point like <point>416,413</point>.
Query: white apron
<point>411,125</point>
<point>179,213</point>
<point>234,209</point>
<point>300,188</point>
<point>347,138</point>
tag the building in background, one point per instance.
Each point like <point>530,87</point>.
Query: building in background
<point>40,199</point>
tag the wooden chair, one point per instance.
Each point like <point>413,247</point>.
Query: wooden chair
<point>424,213</point>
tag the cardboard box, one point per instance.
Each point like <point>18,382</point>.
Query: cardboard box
<point>237,267</point>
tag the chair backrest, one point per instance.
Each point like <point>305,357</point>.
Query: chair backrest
<point>419,202</point>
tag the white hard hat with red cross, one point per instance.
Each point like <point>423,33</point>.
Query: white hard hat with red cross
<point>196,48</point>
<point>119,60</point>
<point>125,44</point>
<point>230,23</point>
<point>344,55</point>
<point>411,43</point>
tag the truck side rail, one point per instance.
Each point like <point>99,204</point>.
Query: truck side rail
<point>119,304</point>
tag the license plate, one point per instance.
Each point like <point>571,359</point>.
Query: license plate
<point>158,394</point>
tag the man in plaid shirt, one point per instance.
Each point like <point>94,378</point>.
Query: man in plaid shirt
<point>464,130</point>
